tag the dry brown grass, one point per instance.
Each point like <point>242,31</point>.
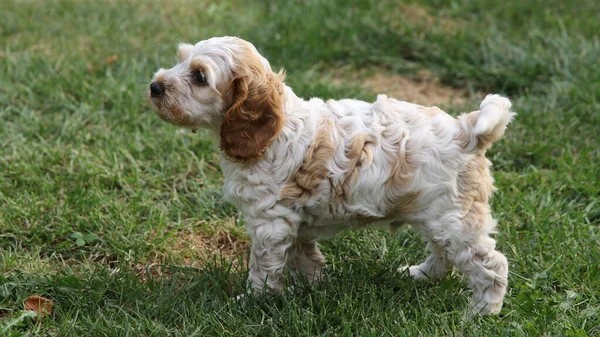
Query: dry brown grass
<point>193,246</point>
<point>196,244</point>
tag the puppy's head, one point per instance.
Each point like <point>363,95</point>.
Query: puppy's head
<point>223,83</point>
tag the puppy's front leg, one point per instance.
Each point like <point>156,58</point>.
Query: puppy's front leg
<point>270,242</point>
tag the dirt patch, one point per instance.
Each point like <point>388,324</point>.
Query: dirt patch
<point>419,15</point>
<point>424,88</point>
<point>416,14</point>
<point>197,244</point>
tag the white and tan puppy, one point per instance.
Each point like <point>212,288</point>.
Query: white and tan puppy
<point>300,170</point>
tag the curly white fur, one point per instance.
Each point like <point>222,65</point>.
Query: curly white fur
<point>341,164</point>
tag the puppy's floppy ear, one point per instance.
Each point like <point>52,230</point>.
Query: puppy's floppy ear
<point>184,50</point>
<point>256,116</point>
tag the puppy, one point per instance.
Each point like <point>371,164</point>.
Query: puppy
<point>301,170</point>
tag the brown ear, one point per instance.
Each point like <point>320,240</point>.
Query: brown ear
<point>255,117</point>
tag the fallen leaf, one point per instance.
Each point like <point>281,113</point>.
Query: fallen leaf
<point>42,306</point>
<point>111,59</point>
<point>90,66</point>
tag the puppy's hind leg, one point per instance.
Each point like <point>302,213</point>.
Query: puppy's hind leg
<point>305,260</point>
<point>467,246</point>
<point>470,249</point>
<point>487,270</point>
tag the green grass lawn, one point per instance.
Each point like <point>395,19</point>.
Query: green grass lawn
<point>111,213</point>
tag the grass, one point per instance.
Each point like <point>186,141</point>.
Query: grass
<point>96,191</point>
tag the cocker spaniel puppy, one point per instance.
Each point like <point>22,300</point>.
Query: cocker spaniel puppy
<point>300,170</point>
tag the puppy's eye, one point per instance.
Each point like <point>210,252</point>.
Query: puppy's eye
<point>199,76</point>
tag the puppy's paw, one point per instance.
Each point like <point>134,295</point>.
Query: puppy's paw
<point>243,296</point>
<point>414,271</point>
<point>291,290</point>
<point>482,309</point>
<point>240,297</point>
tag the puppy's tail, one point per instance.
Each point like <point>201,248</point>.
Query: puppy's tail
<point>481,128</point>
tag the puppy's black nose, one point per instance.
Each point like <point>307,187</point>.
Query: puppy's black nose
<point>156,89</point>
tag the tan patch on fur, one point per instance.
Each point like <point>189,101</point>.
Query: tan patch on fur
<point>256,113</point>
<point>401,201</point>
<point>406,203</point>
<point>197,64</point>
<point>359,152</point>
<point>168,109</point>
<point>359,155</point>
<point>402,169</point>
<point>475,187</point>
<point>160,78</point>
<point>177,115</point>
<point>462,137</point>
<point>314,167</point>
<point>424,89</point>
<point>432,111</point>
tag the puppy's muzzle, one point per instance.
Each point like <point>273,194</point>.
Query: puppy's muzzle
<point>156,89</point>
